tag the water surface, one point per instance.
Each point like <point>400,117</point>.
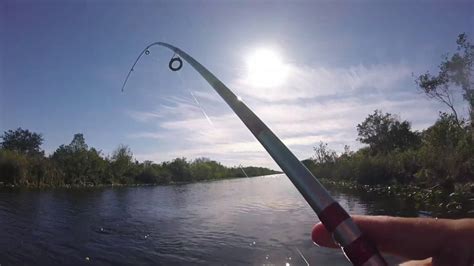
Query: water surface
<point>257,221</point>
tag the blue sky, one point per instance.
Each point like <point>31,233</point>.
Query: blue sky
<point>63,63</point>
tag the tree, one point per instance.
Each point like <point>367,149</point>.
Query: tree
<point>384,133</point>
<point>444,134</point>
<point>447,153</point>
<point>122,164</point>
<point>78,163</point>
<point>78,143</point>
<point>179,169</point>
<point>322,154</point>
<point>204,168</point>
<point>22,141</point>
<point>122,154</point>
<point>454,73</point>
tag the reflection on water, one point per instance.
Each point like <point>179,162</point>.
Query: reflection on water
<point>258,221</point>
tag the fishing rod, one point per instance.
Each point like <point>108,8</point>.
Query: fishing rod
<point>355,245</point>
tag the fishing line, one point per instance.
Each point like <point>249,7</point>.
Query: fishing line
<point>241,168</point>
<point>174,58</point>
<point>301,254</point>
<point>202,109</point>
<point>145,51</point>
<point>195,99</point>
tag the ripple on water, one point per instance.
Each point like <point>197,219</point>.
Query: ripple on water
<point>236,222</point>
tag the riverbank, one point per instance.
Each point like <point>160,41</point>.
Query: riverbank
<point>73,166</point>
<point>433,201</point>
<point>92,186</point>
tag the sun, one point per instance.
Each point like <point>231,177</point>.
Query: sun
<point>265,68</point>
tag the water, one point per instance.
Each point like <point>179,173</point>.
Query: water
<point>257,221</point>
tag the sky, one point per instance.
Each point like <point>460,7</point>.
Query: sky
<point>312,70</point>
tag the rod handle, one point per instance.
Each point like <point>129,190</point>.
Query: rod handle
<point>363,252</point>
<point>357,247</point>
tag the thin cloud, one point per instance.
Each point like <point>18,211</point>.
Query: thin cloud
<point>297,114</point>
<point>306,82</point>
<point>142,116</point>
<point>148,135</point>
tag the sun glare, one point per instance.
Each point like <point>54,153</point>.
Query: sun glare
<point>265,68</point>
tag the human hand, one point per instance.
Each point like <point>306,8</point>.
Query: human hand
<point>425,241</point>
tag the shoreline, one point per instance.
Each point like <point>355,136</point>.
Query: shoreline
<point>433,200</point>
<point>118,185</point>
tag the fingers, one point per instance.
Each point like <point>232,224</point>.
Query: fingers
<point>322,237</point>
<point>413,238</point>
<point>425,262</point>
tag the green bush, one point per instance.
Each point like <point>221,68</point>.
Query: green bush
<point>444,158</point>
<point>13,167</point>
<point>77,164</point>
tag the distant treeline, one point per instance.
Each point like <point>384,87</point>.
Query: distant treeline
<point>23,163</point>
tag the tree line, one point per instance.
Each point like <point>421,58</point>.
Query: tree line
<point>23,163</point>
<point>440,156</point>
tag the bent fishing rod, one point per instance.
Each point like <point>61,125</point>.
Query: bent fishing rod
<point>356,246</point>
